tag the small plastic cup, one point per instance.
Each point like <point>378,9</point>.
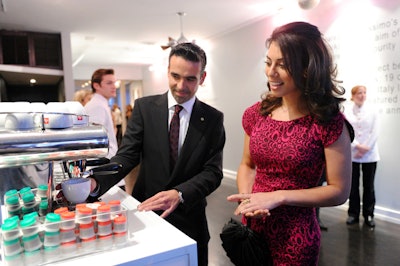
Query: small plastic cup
<point>52,222</point>
<point>67,220</point>
<point>42,191</point>
<point>104,242</point>
<point>80,205</point>
<point>103,213</point>
<point>10,230</point>
<point>12,247</point>
<point>29,226</point>
<point>67,236</point>
<point>10,219</point>
<point>43,208</point>
<point>84,215</point>
<point>29,200</point>
<point>115,207</point>
<point>11,192</point>
<point>14,213</point>
<point>52,239</point>
<point>35,215</point>
<point>86,232</point>
<point>120,225</point>
<point>104,228</point>
<point>31,243</point>
<point>12,203</point>
<point>61,210</point>
<point>25,190</point>
<point>26,210</point>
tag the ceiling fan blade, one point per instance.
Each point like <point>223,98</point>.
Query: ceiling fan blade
<point>171,42</point>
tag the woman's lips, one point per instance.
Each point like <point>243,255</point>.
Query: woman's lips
<point>275,84</point>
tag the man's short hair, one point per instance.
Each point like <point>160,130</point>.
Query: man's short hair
<point>97,76</point>
<point>191,52</point>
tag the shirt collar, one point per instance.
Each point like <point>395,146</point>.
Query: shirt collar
<point>188,105</point>
<point>100,97</point>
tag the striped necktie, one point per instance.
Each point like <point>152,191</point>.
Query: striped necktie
<point>174,137</point>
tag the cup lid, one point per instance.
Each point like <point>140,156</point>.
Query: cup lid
<point>10,225</point>
<point>27,221</point>
<point>42,187</point>
<point>11,192</point>
<point>53,217</point>
<point>12,200</point>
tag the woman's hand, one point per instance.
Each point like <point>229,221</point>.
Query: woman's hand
<point>255,205</point>
<point>361,150</point>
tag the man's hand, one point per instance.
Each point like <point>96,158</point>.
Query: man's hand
<point>164,200</point>
<point>93,184</point>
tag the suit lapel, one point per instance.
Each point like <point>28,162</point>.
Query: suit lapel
<point>160,124</point>
<point>197,126</point>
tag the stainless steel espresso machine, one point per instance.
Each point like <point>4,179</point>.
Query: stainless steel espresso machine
<point>53,147</point>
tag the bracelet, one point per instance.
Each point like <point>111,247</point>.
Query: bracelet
<point>180,197</point>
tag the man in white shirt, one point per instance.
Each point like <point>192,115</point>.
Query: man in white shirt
<point>103,86</point>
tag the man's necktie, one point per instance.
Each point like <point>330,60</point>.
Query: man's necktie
<point>174,137</point>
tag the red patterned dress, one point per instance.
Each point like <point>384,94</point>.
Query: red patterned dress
<point>289,155</point>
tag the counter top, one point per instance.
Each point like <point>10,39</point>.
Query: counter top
<point>151,241</point>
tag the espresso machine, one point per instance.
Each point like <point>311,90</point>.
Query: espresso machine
<point>59,148</point>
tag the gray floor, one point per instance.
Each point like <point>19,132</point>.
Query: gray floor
<point>341,244</point>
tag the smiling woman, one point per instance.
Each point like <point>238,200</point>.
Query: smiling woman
<point>291,136</point>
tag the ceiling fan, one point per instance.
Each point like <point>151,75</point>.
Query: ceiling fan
<point>171,41</point>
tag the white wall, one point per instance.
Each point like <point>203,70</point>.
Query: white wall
<point>365,36</point>
<point>155,82</point>
<point>368,52</point>
<point>128,72</point>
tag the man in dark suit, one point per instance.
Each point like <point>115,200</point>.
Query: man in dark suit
<point>177,193</point>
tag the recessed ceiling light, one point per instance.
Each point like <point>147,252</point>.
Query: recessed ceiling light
<point>32,81</point>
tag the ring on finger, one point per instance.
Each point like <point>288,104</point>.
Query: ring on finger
<point>246,201</point>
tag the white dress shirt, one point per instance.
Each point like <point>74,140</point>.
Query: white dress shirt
<point>364,120</point>
<point>100,113</point>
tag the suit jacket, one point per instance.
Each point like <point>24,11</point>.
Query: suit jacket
<point>198,170</point>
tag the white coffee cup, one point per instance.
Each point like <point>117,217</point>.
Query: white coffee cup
<point>57,116</point>
<point>76,190</point>
<point>78,112</point>
<point>5,109</point>
<point>57,121</point>
<point>19,121</point>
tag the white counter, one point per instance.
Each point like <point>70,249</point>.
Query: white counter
<point>152,241</point>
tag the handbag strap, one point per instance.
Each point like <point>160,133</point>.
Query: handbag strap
<point>248,222</point>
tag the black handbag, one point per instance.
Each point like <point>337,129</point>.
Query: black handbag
<point>243,246</point>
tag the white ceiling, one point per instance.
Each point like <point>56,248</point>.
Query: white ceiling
<point>125,32</point>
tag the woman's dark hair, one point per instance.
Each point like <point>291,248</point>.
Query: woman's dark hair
<point>191,52</point>
<point>309,62</point>
<point>97,76</point>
